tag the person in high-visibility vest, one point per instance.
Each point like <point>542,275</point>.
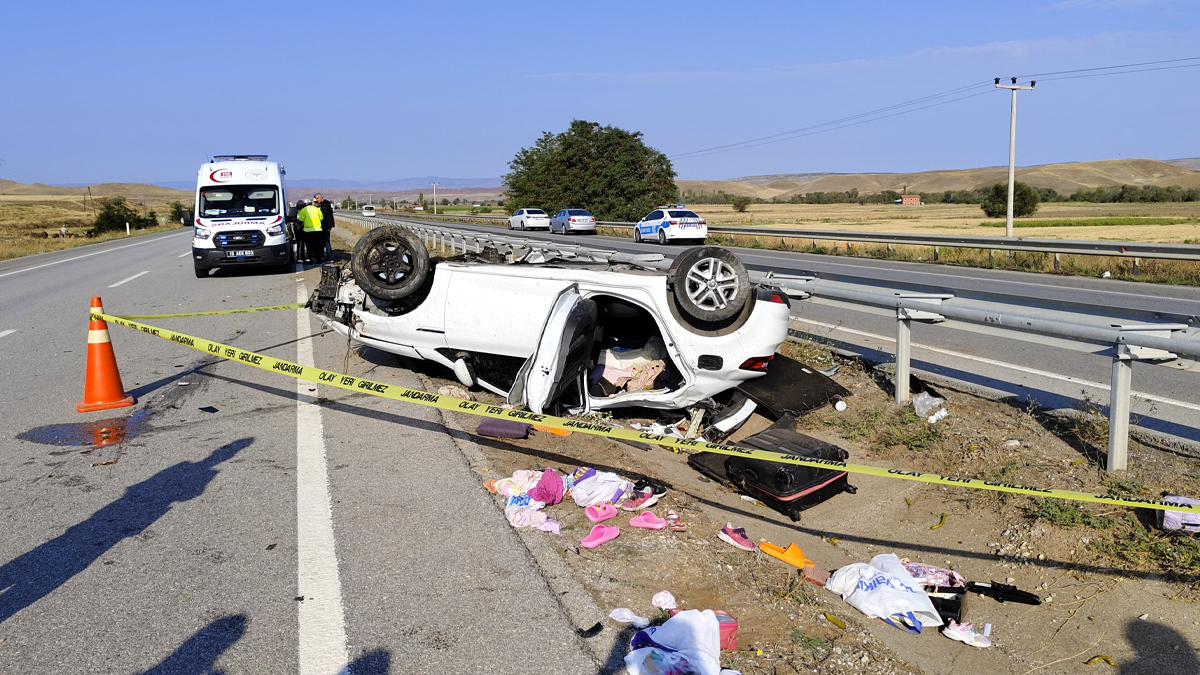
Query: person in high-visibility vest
<point>311,217</point>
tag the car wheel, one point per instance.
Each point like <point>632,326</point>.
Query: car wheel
<point>201,272</point>
<point>662,236</point>
<point>389,263</point>
<point>709,283</point>
<point>637,234</point>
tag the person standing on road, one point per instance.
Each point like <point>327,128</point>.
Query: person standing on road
<point>326,223</point>
<point>310,216</point>
<point>298,233</point>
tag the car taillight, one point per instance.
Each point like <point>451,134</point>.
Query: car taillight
<point>758,363</point>
<point>673,222</point>
<point>778,297</point>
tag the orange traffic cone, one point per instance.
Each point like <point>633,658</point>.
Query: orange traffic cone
<point>102,387</point>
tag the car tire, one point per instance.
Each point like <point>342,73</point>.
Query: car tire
<point>201,272</point>
<point>662,236</point>
<point>389,263</point>
<point>710,283</point>
<point>637,234</point>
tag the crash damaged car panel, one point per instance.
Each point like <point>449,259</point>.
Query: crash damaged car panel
<point>554,336</point>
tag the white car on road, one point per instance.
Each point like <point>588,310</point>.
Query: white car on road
<point>368,211</point>
<point>567,221</point>
<point>529,219</point>
<point>671,223</point>
<point>560,334</point>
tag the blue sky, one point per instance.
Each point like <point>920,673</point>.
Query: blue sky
<point>144,91</point>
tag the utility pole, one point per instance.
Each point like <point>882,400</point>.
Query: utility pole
<point>435,197</point>
<point>1012,147</point>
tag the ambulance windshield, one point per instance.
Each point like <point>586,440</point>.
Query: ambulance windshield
<point>228,201</point>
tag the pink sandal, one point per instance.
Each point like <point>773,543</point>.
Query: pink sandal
<point>600,512</point>
<point>648,521</point>
<point>599,535</point>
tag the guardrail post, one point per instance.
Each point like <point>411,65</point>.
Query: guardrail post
<point>1055,262</point>
<point>1136,265</point>
<point>1118,410</point>
<point>903,354</point>
<point>936,252</point>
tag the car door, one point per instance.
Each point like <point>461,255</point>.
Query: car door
<point>515,218</point>
<point>492,312</point>
<point>649,226</point>
<point>562,355</point>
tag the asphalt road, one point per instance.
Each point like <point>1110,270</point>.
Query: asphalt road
<point>293,529</point>
<point>1165,400</point>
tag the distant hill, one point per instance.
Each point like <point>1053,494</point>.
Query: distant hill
<point>1189,163</point>
<point>1066,178</point>
<point>9,187</point>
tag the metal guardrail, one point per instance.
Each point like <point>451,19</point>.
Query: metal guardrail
<point>1175,344</point>
<point>1126,249</point>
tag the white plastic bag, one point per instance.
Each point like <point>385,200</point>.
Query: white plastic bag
<point>924,403</point>
<point>885,590</point>
<point>688,643</point>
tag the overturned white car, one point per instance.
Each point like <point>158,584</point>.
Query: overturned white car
<point>560,334</point>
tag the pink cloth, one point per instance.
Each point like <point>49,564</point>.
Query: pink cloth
<point>549,488</point>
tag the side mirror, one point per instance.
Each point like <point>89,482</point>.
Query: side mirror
<point>187,218</point>
<point>291,214</point>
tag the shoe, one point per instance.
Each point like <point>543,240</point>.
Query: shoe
<point>675,523</point>
<point>648,521</point>
<point>736,537</point>
<point>965,633</point>
<point>599,535</point>
<point>647,486</point>
<point>640,500</point>
<point>791,555</point>
<point>600,512</point>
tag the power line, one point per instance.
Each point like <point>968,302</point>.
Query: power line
<point>716,151</point>
<point>1123,72</point>
<point>756,141</point>
<point>1127,65</point>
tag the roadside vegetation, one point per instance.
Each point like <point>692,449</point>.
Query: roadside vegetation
<point>31,224</point>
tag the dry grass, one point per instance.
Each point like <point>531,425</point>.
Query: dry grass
<point>1182,219</point>
<point>24,217</point>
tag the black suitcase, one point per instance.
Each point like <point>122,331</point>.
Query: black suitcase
<point>786,488</point>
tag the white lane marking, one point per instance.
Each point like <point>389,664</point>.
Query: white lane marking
<point>4,333</point>
<point>184,254</point>
<point>322,621</point>
<point>86,255</point>
<point>127,279</point>
<point>1009,366</point>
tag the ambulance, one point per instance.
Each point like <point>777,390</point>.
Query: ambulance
<point>241,217</point>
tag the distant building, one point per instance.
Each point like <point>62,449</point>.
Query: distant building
<point>910,199</point>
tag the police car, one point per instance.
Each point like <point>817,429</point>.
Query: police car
<point>671,223</point>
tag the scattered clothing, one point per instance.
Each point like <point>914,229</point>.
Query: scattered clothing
<point>687,643</point>
<point>736,537</point>
<point>601,486</point>
<point>455,391</point>
<point>528,516</point>
<point>928,575</point>
<point>549,488</point>
<point>626,615</point>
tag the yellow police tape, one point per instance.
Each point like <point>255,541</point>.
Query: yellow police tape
<point>250,310</point>
<point>397,393</point>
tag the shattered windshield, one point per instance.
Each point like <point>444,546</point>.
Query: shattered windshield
<point>227,201</point>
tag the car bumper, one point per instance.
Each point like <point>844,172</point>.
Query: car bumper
<point>580,227</point>
<point>263,255</point>
<point>699,233</point>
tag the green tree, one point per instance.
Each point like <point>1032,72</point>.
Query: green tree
<point>740,203</point>
<point>608,170</point>
<point>176,214</point>
<point>995,200</point>
<point>115,212</point>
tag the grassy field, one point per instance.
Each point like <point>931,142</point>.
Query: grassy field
<point>1177,222</point>
<point>23,218</point>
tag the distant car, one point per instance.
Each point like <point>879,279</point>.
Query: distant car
<point>671,223</point>
<point>573,220</point>
<point>545,332</point>
<point>529,219</point>
<point>368,211</point>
